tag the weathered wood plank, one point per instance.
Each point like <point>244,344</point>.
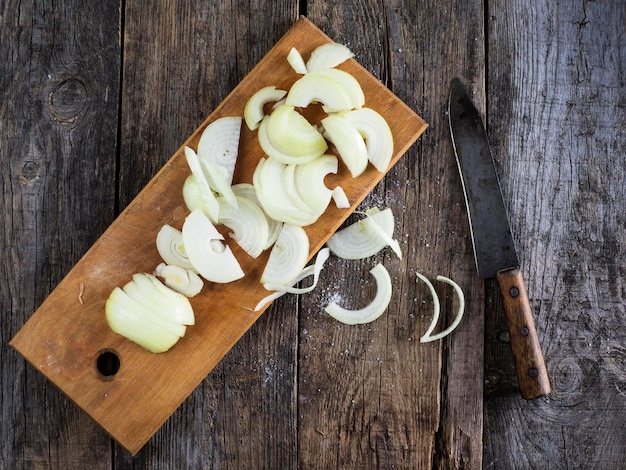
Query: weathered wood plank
<point>191,55</point>
<point>556,115</point>
<point>59,76</point>
<point>372,396</point>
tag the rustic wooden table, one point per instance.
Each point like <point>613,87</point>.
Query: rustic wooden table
<point>96,96</point>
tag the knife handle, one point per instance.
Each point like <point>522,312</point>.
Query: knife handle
<point>532,374</point>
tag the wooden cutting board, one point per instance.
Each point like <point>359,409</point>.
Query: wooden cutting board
<point>68,334</point>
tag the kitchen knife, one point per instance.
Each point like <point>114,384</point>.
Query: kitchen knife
<point>493,244</point>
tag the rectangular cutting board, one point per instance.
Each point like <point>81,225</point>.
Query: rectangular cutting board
<point>68,333</point>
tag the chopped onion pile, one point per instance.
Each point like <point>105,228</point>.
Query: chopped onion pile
<point>288,192</point>
<point>149,313</point>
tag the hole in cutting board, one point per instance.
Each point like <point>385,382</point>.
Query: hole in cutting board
<point>108,364</point>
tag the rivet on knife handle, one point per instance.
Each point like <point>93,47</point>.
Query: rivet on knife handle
<point>532,374</point>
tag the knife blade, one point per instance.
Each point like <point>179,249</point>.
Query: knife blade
<point>494,248</point>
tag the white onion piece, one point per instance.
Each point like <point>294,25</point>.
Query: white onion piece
<point>253,112</point>
<point>268,181</point>
<point>181,280</point>
<point>191,194</point>
<point>288,137</point>
<point>219,143</point>
<point>348,83</point>
<point>169,243</point>
<point>314,271</point>
<point>327,56</point>
<point>248,191</point>
<point>340,198</point>
<point>319,88</point>
<point>377,134</point>
<point>348,142</point>
<point>211,207</point>
<point>296,61</point>
<point>148,313</point>
<point>308,180</point>
<point>288,256</point>
<point>374,309</point>
<point>219,181</point>
<point>209,255</point>
<point>427,337</point>
<point>363,239</point>
<point>393,244</point>
<point>248,224</point>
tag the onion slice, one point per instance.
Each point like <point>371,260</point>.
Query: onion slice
<point>374,309</point>
<point>296,61</point>
<point>428,337</point>
<point>340,198</point>
<point>365,237</point>
<point>348,142</point>
<point>211,206</point>
<point>253,111</point>
<point>180,279</point>
<point>319,88</point>
<point>377,134</point>
<point>313,270</point>
<point>288,256</point>
<point>248,223</point>
<point>169,243</point>
<point>209,255</point>
<point>219,143</point>
<point>327,56</point>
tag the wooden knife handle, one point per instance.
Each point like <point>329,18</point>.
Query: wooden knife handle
<point>532,374</point>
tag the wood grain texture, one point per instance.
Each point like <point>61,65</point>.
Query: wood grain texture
<point>556,112</point>
<point>59,77</point>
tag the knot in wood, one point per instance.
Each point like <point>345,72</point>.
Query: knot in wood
<point>67,100</point>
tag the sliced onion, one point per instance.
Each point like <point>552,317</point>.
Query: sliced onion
<point>248,191</point>
<point>219,181</point>
<point>248,224</point>
<point>427,337</point>
<point>191,194</point>
<point>148,313</point>
<point>377,134</point>
<point>184,281</point>
<point>288,256</point>
<point>340,198</point>
<point>374,309</point>
<point>219,143</point>
<point>211,207</point>
<point>319,88</point>
<point>288,137</point>
<point>268,181</point>
<point>314,271</point>
<point>169,243</point>
<point>363,239</point>
<point>327,56</point>
<point>308,180</point>
<point>348,83</point>
<point>254,109</point>
<point>296,61</point>
<point>211,258</point>
<point>348,142</point>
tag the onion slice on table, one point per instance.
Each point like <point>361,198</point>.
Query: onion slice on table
<point>319,88</point>
<point>365,237</point>
<point>248,223</point>
<point>428,336</point>
<point>374,309</point>
<point>212,258</point>
<point>347,81</point>
<point>248,191</point>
